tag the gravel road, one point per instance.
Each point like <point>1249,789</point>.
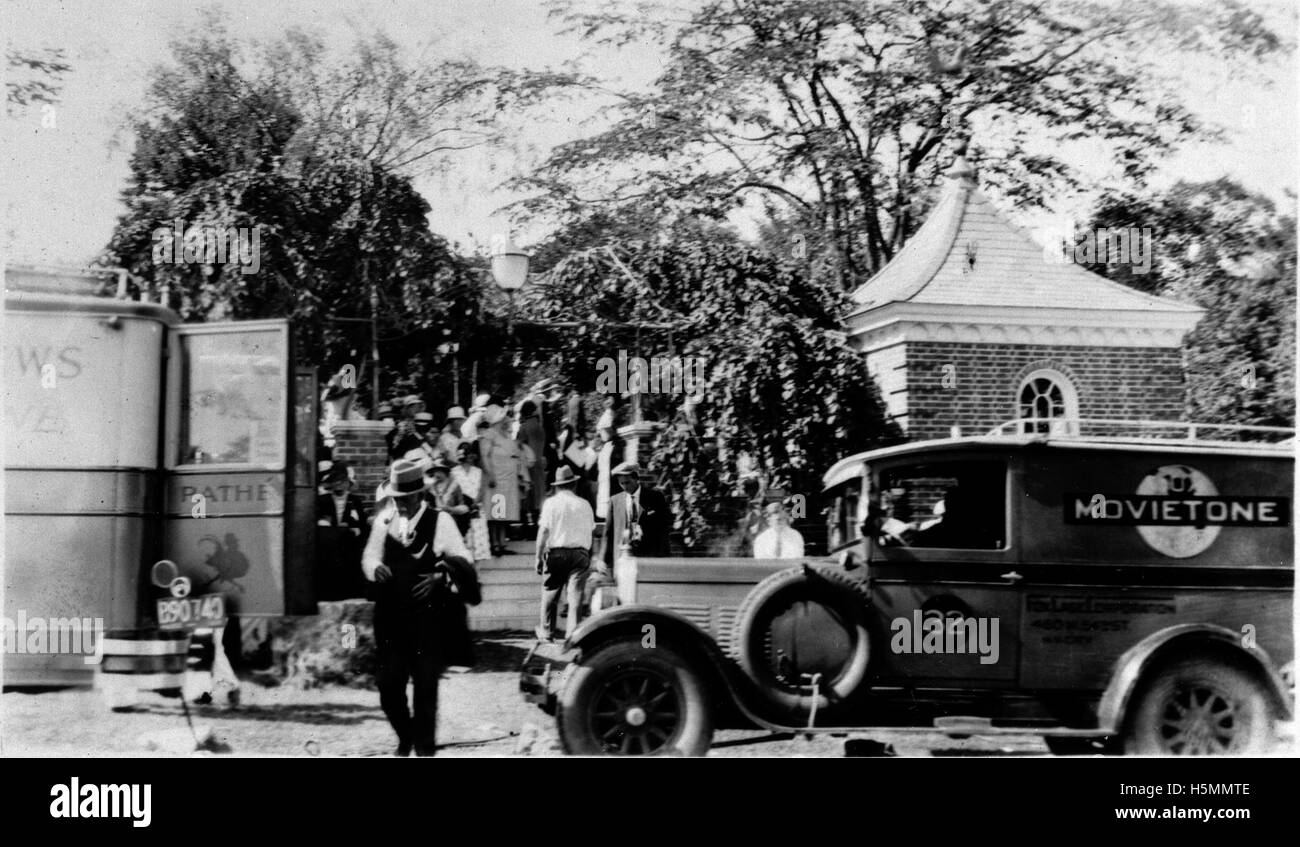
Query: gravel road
<point>481,714</point>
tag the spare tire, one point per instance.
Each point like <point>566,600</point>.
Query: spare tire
<point>800,622</point>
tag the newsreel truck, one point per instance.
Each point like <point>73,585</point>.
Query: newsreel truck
<point>1120,591</point>
<point>159,478</point>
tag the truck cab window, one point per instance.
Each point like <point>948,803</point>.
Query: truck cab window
<point>953,505</point>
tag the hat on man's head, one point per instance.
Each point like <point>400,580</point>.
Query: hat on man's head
<point>455,413</point>
<point>437,464</point>
<point>385,410</point>
<point>405,477</point>
<point>565,476</point>
<point>776,507</point>
<point>626,469</point>
<point>424,418</point>
<point>339,471</point>
<point>410,400</point>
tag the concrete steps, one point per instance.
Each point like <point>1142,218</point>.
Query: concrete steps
<point>512,591</point>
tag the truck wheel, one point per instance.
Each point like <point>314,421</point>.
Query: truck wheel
<point>1199,707</point>
<point>629,700</point>
<point>800,622</point>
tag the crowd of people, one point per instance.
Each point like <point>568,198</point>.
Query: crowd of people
<point>453,496</point>
<point>488,469</point>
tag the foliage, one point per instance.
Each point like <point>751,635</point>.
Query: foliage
<point>781,387</point>
<point>838,116</point>
<point>33,77</point>
<point>228,140</point>
<point>1234,254</point>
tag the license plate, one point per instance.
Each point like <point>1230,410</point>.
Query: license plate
<point>192,612</point>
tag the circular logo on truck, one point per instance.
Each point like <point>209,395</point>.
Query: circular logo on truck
<point>1173,481</point>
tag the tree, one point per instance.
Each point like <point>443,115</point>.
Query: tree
<point>780,386</point>
<point>1233,253</point>
<point>838,116</point>
<point>228,141</point>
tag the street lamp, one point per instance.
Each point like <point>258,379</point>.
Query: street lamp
<point>510,266</point>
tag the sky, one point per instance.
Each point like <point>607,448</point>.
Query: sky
<point>61,173</point>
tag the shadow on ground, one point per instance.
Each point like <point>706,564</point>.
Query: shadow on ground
<point>500,651</point>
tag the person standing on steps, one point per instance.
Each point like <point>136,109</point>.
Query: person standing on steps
<point>565,532</point>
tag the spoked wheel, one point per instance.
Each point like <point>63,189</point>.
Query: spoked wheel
<point>636,712</point>
<point>1200,707</point>
<point>629,700</point>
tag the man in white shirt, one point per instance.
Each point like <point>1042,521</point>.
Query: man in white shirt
<point>565,530</point>
<point>779,540</point>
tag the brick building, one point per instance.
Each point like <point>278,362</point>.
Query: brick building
<point>972,325</point>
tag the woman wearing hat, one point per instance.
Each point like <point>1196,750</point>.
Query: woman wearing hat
<point>532,433</point>
<point>504,476</point>
<point>445,494</point>
<point>468,476</point>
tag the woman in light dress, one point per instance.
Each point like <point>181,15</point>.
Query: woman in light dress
<point>504,475</point>
<point>469,478</point>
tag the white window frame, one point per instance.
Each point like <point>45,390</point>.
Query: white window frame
<point>1067,424</point>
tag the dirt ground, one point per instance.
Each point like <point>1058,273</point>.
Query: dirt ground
<point>481,714</point>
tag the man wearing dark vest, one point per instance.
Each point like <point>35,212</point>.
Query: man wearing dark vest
<point>420,597</point>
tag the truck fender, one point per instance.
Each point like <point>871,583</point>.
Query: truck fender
<point>1138,659</point>
<point>631,621</point>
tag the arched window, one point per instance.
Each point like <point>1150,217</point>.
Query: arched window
<point>1047,403</point>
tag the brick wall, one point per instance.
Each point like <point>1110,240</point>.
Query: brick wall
<point>361,445</point>
<point>1127,383</point>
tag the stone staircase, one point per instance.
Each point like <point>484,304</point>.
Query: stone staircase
<point>512,591</point>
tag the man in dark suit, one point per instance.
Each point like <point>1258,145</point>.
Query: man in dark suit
<point>638,516</point>
<point>340,525</point>
<point>420,619</point>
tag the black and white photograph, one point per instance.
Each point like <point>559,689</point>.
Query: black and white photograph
<point>650,378</point>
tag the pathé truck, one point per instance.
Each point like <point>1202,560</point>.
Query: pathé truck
<point>130,439</point>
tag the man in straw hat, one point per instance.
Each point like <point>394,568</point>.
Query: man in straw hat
<point>420,621</point>
<point>565,531</point>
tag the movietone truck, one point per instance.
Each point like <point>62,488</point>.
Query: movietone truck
<point>133,440</point>
<point>1107,592</point>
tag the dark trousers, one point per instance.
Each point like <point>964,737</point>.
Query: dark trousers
<point>409,654</point>
<point>564,566</point>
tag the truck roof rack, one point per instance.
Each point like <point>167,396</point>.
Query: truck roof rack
<point>65,279</point>
<point>1116,430</point>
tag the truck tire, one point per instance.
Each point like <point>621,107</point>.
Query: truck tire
<point>823,610</point>
<point>630,700</point>
<point>1199,707</point>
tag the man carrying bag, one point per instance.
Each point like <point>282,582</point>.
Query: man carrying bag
<point>420,598</point>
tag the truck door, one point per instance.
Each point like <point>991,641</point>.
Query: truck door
<point>227,461</point>
<point>944,585</point>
